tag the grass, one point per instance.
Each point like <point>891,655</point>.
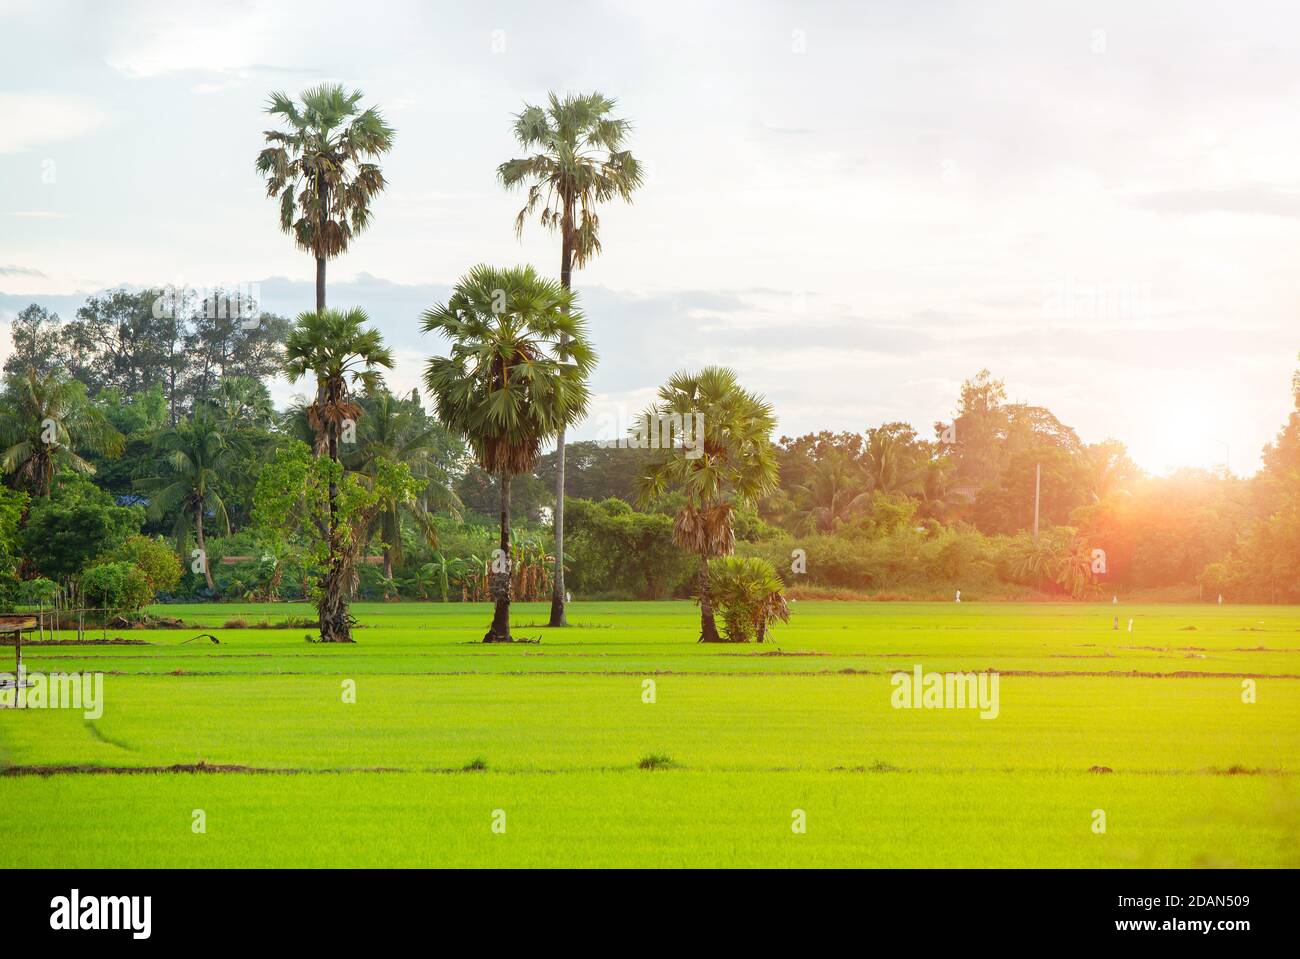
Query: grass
<point>444,731</point>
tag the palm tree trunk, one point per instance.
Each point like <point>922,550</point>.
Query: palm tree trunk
<point>499,582</point>
<point>203,549</point>
<point>322,191</point>
<point>335,623</point>
<point>708,625</point>
<point>558,617</point>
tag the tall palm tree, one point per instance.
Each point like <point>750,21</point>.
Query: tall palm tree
<point>737,467</point>
<point>577,160</point>
<point>190,458</point>
<point>322,169</point>
<point>335,348</point>
<point>516,376</point>
<point>44,421</point>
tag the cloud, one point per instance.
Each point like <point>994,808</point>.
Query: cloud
<point>38,214</point>
<point>156,38</point>
<point>21,271</point>
<point>1246,201</point>
<point>36,119</point>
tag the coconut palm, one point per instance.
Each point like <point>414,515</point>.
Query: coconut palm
<point>934,489</point>
<point>340,353</point>
<point>577,160</point>
<point>838,490</point>
<point>44,421</point>
<point>516,376</point>
<point>397,430</point>
<point>190,457</point>
<point>891,463</point>
<point>321,169</point>
<point>737,466</point>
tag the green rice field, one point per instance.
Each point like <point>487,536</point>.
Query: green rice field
<point>623,742</point>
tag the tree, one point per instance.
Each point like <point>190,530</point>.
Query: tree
<point>228,338</point>
<point>336,349</point>
<point>307,500</point>
<point>125,340</point>
<point>72,526</point>
<point>749,594</point>
<point>397,430</point>
<point>615,549</point>
<point>45,425</point>
<point>152,558</point>
<point>117,586</point>
<point>37,341</point>
<point>736,466</point>
<point>577,161</point>
<point>836,490</point>
<point>893,457</point>
<point>321,169</point>
<point>516,376</point>
<point>191,458</point>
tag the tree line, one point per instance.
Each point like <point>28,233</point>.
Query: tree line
<point>147,417</point>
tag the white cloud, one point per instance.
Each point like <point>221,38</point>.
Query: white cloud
<point>35,119</point>
<point>171,37</point>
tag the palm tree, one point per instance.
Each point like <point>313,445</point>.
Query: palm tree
<point>737,466</point>
<point>934,489</point>
<point>244,402</point>
<point>516,376</point>
<point>750,594</point>
<point>834,493</point>
<point>44,422</point>
<point>890,462</point>
<point>321,171</point>
<point>191,457</point>
<point>577,161</point>
<point>397,430</point>
<point>334,347</point>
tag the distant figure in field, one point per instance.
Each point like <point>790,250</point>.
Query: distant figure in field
<point>958,596</point>
<point>1114,600</point>
<point>1130,625</point>
<point>1115,625</point>
<point>1220,599</point>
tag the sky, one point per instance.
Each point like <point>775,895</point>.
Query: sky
<point>856,206</point>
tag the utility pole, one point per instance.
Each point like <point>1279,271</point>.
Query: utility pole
<point>1038,484</point>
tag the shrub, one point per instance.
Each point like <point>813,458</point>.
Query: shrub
<point>748,595</point>
<point>75,524</point>
<point>160,565</point>
<point>118,586</point>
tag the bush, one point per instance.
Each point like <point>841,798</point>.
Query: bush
<point>748,595</point>
<point>161,567</point>
<point>117,586</point>
<point>613,550</point>
<point>75,524</point>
